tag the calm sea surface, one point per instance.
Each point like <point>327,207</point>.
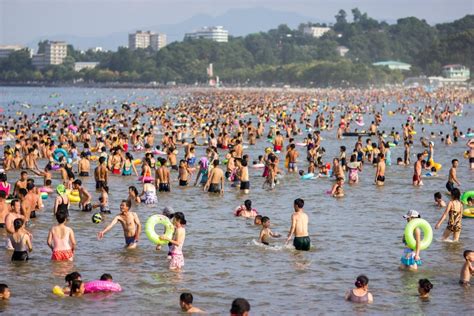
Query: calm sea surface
<point>360,233</point>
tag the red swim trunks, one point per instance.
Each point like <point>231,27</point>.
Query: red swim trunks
<point>62,255</point>
<point>277,148</point>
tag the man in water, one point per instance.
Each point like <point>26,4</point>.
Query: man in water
<point>380,173</point>
<point>417,171</point>
<point>215,182</point>
<point>130,224</point>
<point>299,227</point>
<point>452,179</point>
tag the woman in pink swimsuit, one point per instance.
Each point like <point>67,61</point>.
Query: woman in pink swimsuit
<point>61,239</point>
<point>4,185</point>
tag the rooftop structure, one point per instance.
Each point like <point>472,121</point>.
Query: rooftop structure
<point>394,65</point>
<point>213,33</point>
<point>457,72</point>
<point>6,50</point>
<point>315,31</point>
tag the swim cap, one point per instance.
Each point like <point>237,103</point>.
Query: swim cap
<point>61,189</point>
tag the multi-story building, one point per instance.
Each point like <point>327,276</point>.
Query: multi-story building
<point>393,65</point>
<point>157,41</point>
<point>54,54</point>
<point>6,50</point>
<point>213,33</point>
<point>315,31</point>
<point>141,39</point>
<point>456,71</point>
<point>78,66</point>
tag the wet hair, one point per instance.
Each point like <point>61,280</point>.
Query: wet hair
<point>361,281</point>
<point>258,217</point>
<point>78,182</point>
<point>3,177</point>
<point>456,194</point>
<point>239,306</point>
<point>22,191</point>
<point>61,216</point>
<point>30,186</point>
<point>179,216</point>
<point>466,253</point>
<point>265,219</point>
<point>299,203</point>
<point>134,189</point>
<point>128,203</point>
<point>106,277</point>
<point>17,224</point>
<point>437,195</point>
<point>453,161</point>
<point>72,276</point>
<point>75,287</point>
<point>186,298</point>
<point>13,202</point>
<point>3,194</point>
<point>101,160</point>
<point>3,288</point>
<point>425,284</point>
<point>248,204</point>
<point>48,182</point>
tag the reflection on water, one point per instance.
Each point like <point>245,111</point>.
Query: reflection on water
<point>360,233</point>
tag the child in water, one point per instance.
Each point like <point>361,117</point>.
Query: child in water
<point>258,220</point>
<point>186,303</point>
<point>4,292</point>
<point>266,233</point>
<point>69,278</point>
<point>337,189</point>
<point>439,200</point>
<point>424,288</point>
<point>103,199</point>
<point>177,242</point>
<point>467,269</point>
<point>77,288</point>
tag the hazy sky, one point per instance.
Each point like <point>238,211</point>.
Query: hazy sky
<point>23,20</point>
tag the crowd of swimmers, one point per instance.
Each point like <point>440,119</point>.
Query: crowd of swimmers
<point>70,144</point>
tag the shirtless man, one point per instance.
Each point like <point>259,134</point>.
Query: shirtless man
<point>238,149</point>
<point>26,206</point>
<point>86,197</point>
<point>21,184</point>
<point>452,179</point>
<point>84,166</point>
<point>130,224</point>
<point>100,174</point>
<point>215,181</point>
<point>244,177</point>
<point>417,171</point>
<point>292,155</point>
<point>278,142</point>
<point>33,199</point>
<point>299,227</point>
<point>162,177</point>
<point>380,172</point>
<point>116,161</point>
<point>338,171</point>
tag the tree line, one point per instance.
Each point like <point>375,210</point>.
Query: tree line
<point>279,56</point>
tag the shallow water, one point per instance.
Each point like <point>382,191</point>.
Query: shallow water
<point>360,233</point>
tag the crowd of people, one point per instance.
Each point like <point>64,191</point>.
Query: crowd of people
<point>121,142</point>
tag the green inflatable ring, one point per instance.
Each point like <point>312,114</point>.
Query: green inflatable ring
<point>427,232</point>
<point>466,195</point>
<point>151,222</point>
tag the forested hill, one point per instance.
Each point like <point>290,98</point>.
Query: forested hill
<point>281,55</point>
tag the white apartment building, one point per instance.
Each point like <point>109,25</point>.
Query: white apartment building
<point>315,31</point>
<point>141,39</point>
<point>54,54</point>
<point>78,66</point>
<point>6,50</point>
<point>213,33</point>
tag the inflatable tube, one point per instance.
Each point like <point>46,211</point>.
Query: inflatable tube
<point>73,196</point>
<point>57,290</point>
<point>258,165</point>
<point>466,195</point>
<point>470,134</point>
<point>468,212</point>
<point>137,162</point>
<point>427,232</point>
<point>94,158</point>
<point>44,195</point>
<point>308,176</point>
<point>46,189</point>
<point>151,222</point>
<point>391,145</point>
<point>437,166</point>
<point>413,133</point>
<point>301,144</point>
<point>101,286</point>
<point>59,151</point>
<point>158,152</point>
<point>360,123</point>
<point>55,167</point>
<point>146,179</point>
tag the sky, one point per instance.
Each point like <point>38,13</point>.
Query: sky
<point>24,20</point>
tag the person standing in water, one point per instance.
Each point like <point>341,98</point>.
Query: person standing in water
<point>361,292</point>
<point>380,173</point>
<point>130,223</point>
<point>411,257</point>
<point>452,179</point>
<point>454,210</point>
<point>299,227</point>
<point>177,242</point>
<point>61,239</point>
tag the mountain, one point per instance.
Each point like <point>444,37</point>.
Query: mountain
<point>239,22</point>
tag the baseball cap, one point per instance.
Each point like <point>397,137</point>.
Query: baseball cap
<point>61,189</point>
<point>412,214</point>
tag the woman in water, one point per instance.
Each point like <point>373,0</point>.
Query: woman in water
<point>454,210</point>
<point>128,167</point>
<point>361,292</point>
<point>20,241</point>
<point>411,258</point>
<point>176,249</point>
<point>148,195</point>
<point>61,239</point>
<point>133,196</point>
